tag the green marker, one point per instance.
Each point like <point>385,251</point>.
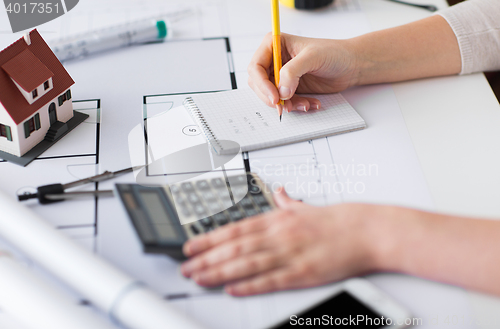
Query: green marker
<point>150,30</point>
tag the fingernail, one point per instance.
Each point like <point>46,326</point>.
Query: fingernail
<point>229,289</point>
<point>234,290</point>
<point>192,247</point>
<point>301,108</point>
<point>271,99</point>
<point>315,106</point>
<point>285,92</point>
<point>199,278</point>
<point>186,269</point>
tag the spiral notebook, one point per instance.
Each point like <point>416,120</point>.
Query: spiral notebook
<point>240,116</point>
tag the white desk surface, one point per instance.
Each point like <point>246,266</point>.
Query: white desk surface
<point>454,123</point>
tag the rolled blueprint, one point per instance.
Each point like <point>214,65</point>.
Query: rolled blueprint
<point>117,294</point>
<point>39,305</point>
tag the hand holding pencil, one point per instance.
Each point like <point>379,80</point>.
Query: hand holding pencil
<point>310,66</point>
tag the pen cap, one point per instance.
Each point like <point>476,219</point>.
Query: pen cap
<point>151,30</point>
<point>306,4</point>
<point>164,29</point>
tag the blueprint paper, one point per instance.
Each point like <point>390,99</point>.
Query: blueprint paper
<point>121,79</point>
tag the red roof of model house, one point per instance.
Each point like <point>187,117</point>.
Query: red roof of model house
<point>29,66</point>
<point>27,70</point>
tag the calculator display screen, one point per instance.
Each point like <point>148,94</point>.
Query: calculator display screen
<point>158,215</point>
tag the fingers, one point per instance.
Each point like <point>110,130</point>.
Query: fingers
<point>238,268</point>
<point>201,243</point>
<point>283,201</point>
<point>281,278</point>
<point>314,104</point>
<point>225,252</point>
<point>291,73</point>
<point>302,104</point>
<point>258,73</point>
<point>288,106</point>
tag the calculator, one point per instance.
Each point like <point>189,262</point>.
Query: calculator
<point>166,216</point>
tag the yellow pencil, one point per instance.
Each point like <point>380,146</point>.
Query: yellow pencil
<point>277,49</point>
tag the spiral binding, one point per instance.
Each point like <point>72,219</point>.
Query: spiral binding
<point>200,120</point>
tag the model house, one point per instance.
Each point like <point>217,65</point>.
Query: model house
<point>35,95</point>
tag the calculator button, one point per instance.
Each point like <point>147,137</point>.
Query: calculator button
<point>178,199</point>
<point>239,192</point>
<point>223,194</point>
<point>202,185</point>
<point>251,212</point>
<point>260,199</point>
<point>254,189</point>
<point>195,229</point>
<point>187,187</point>
<point>183,210</point>
<point>214,207</point>
<point>218,183</point>
<point>206,222</point>
<point>265,208</point>
<point>199,210</point>
<point>208,196</point>
<point>174,189</point>
<point>220,219</point>
<point>246,203</point>
<point>235,214</point>
<point>227,203</point>
<point>193,198</point>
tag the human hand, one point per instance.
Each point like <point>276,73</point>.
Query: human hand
<point>296,246</point>
<point>316,66</point>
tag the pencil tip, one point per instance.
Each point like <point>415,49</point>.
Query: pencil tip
<point>280,117</point>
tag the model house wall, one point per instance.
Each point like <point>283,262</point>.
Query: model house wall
<point>6,145</point>
<point>63,113</point>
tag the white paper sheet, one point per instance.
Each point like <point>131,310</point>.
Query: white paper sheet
<point>121,79</point>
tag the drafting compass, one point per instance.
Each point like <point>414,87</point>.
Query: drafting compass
<point>57,192</point>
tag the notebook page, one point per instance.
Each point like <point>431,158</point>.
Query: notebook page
<point>240,116</point>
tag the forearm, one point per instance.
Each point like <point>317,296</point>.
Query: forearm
<point>421,49</point>
<point>455,250</point>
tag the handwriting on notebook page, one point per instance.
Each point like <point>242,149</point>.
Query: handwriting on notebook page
<point>248,123</point>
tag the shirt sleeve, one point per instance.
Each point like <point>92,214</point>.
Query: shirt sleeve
<point>476,24</point>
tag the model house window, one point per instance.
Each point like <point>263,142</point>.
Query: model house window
<point>37,121</point>
<point>64,97</point>
<point>5,132</point>
<point>31,125</point>
<point>34,93</point>
<point>46,85</point>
